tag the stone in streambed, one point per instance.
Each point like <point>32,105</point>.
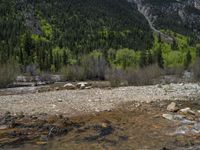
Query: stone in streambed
<point>187,111</point>
<point>168,116</point>
<point>172,107</point>
<point>69,86</point>
<point>3,127</point>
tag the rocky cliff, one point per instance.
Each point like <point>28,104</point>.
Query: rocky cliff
<point>182,16</point>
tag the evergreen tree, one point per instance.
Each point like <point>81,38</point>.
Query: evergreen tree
<point>160,59</point>
<point>198,50</point>
<point>174,44</point>
<point>188,60</point>
<point>143,59</point>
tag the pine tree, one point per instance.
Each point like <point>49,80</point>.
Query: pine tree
<point>160,59</point>
<point>174,45</point>
<point>198,50</point>
<point>143,59</point>
<point>188,60</point>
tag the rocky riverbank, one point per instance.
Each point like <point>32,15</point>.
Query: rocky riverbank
<point>76,102</point>
<point>145,117</point>
<point>129,126</point>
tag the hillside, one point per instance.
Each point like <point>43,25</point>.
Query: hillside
<point>53,34</point>
<point>181,16</point>
<point>30,30</point>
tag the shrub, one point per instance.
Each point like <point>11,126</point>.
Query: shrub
<point>196,69</point>
<point>8,73</point>
<point>143,76</point>
<point>94,65</point>
<point>127,58</point>
<point>115,76</point>
<point>131,76</point>
<point>177,71</point>
<point>73,73</point>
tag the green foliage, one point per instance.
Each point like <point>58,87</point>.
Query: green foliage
<point>127,58</point>
<point>54,34</point>
<point>174,54</point>
<point>38,38</point>
<point>34,32</point>
<point>46,29</point>
<point>61,57</point>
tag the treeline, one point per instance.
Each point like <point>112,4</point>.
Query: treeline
<point>54,33</point>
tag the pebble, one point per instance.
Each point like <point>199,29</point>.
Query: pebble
<point>60,100</point>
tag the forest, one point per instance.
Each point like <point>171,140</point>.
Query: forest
<point>74,35</point>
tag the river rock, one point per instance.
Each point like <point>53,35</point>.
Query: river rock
<point>168,116</point>
<point>3,127</point>
<point>159,86</point>
<point>172,107</point>
<point>196,128</point>
<point>56,88</point>
<point>69,86</point>
<point>173,117</point>
<point>187,110</point>
<point>182,130</point>
<point>82,85</point>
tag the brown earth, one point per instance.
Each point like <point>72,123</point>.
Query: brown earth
<point>127,127</point>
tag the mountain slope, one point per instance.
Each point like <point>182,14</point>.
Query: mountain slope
<point>54,33</point>
<point>31,30</point>
<point>181,16</point>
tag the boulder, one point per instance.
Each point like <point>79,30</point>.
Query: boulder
<point>172,107</point>
<point>69,86</point>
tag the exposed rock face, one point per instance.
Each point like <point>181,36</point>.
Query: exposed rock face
<point>182,16</point>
